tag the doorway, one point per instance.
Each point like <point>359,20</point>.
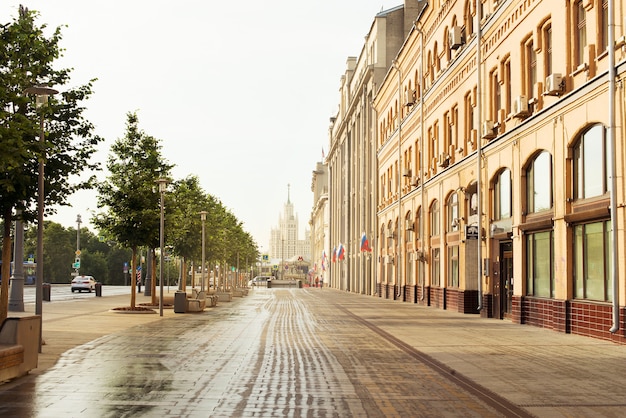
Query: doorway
<point>506,278</point>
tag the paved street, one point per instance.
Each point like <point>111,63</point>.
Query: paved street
<point>319,353</point>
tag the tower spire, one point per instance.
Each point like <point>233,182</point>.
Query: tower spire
<point>288,193</point>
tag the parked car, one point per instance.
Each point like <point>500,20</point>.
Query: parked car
<point>81,283</point>
<point>260,280</point>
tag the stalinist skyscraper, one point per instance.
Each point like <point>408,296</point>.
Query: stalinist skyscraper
<point>284,241</point>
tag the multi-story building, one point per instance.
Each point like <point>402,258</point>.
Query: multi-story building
<point>352,161</point>
<point>501,161</point>
<point>285,243</point>
<point>319,224</point>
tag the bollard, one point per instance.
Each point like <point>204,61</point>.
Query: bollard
<point>46,291</point>
<point>99,289</point>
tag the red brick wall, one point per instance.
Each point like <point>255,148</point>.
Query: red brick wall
<point>437,297</point>
<point>595,320</point>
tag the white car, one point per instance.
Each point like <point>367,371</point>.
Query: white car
<point>81,283</point>
<point>259,281</point>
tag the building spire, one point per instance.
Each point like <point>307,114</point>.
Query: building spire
<point>288,193</point>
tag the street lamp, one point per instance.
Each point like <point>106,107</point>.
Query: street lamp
<point>162,186</point>
<point>77,260</point>
<point>41,93</point>
<point>203,219</point>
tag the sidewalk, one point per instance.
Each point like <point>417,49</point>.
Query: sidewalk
<point>67,324</point>
<point>548,374</point>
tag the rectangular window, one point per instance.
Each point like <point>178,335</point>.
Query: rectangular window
<point>539,265</point>
<point>506,81</point>
<point>547,47</point>
<point>592,261</point>
<point>530,63</point>
<point>581,33</point>
<point>603,33</point>
<point>453,266</point>
<point>436,280</point>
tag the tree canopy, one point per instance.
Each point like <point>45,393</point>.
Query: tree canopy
<point>27,58</point>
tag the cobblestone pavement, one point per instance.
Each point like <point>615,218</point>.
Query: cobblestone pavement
<point>324,353</point>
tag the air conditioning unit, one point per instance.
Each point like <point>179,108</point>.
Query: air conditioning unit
<point>520,107</point>
<point>455,37</point>
<point>443,160</point>
<point>415,181</point>
<point>554,84</point>
<point>409,100</point>
<point>406,172</point>
<point>488,131</point>
<point>408,224</point>
<point>389,233</point>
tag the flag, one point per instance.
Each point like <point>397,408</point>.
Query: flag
<point>334,254</point>
<point>322,153</point>
<point>341,252</point>
<point>365,245</point>
<point>324,260</point>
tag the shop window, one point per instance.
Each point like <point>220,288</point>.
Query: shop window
<point>453,266</point>
<point>540,264</point>
<point>592,261</point>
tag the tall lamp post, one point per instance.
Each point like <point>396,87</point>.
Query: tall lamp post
<point>77,259</point>
<point>41,93</point>
<point>162,186</point>
<point>203,219</point>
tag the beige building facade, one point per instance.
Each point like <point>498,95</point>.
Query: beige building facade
<point>319,225</point>
<point>499,179</point>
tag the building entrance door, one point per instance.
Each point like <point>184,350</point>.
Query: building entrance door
<point>506,278</point>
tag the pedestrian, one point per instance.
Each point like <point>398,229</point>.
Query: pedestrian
<point>322,283</point>
<point>317,281</point>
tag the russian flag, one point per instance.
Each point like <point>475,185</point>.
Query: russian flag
<point>334,254</point>
<point>365,245</point>
<point>341,252</point>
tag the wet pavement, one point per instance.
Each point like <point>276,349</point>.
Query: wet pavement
<point>321,353</point>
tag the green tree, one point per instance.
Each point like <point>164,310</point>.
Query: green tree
<point>26,59</point>
<point>129,194</point>
<point>59,248</point>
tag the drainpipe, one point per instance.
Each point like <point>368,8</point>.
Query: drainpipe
<point>612,180</point>
<point>399,175</point>
<point>479,157</point>
<point>422,153</point>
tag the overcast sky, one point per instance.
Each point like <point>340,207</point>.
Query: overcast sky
<point>240,93</point>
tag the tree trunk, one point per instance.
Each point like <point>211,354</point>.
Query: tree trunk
<point>6,266</point>
<point>153,274</point>
<point>133,278</point>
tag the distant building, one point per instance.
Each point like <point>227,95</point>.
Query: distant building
<point>284,240</point>
<point>320,243</point>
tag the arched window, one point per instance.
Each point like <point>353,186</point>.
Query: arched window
<point>590,163</point>
<point>434,219</point>
<point>453,221</point>
<point>539,183</point>
<point>502,196</point>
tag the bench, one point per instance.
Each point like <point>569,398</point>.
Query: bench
<point>19,346</point>
<point>197,301</point>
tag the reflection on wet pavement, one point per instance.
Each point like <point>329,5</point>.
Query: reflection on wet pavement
<point>276,352</point>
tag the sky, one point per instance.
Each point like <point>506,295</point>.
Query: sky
<point>239,93</point>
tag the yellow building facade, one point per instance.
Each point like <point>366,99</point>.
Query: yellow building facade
<point>500,163</point>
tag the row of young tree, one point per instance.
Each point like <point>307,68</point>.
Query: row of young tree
<point>129,200</point>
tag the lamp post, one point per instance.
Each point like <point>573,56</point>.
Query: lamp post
<point>162,186</point>
<point>41,93</point>
<point>203,219</point>
<point>77,260</point>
